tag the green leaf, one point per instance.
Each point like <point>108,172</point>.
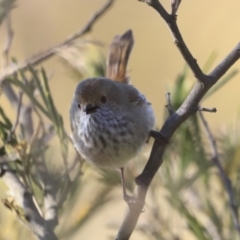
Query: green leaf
<point>48,98</point>
<point>30,94</point>
<point>2,151</point>
<point>214,216</point>
<point>193,224</point>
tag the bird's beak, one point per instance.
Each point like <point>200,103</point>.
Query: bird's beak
<point>89,108</point>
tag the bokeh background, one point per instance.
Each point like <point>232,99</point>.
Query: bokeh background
<point>208,27</point>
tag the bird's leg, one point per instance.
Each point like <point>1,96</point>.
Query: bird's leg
<point>128,199</point>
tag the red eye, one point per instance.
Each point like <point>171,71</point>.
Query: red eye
<point>103,99</point>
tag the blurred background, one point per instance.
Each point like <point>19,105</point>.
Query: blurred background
<point>210,30</point>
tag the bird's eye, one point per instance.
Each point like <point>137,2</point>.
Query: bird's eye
<point>103,99</point>
<point>79,106</point>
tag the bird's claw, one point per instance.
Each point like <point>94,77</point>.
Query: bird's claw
<point>133,202</point>
<point>129,199</point>
<point>158,136</point>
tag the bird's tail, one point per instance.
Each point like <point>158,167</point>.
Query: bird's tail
<point>118,55</point>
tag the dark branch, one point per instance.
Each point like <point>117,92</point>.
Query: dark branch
<point>171,20</point>
<point>175,5</point>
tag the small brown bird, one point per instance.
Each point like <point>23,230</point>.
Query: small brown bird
<point>110,119</point>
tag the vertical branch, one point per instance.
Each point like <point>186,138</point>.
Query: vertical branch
<point>226,181</point>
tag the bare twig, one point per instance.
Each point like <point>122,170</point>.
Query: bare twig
<point>171,20</point>
<point>24,199</point>
<point>211,110</point>
<point>204,83</point>
<point>226,181</point>
<point>175,5</point>
<point>169,104</point>
<point>36,59</point>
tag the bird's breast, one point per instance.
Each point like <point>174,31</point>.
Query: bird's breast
<point>110,139</point>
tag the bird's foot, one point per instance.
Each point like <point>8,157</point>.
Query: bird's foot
<point>158,136</point>
<point>133,202</point>
<point>129,199</point>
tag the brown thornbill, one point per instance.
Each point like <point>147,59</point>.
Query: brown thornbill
<point>110,119</point>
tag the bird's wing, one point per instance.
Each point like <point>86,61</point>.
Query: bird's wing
<point>135,97</point>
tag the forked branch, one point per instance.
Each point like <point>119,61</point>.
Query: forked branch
<point>188,108</point>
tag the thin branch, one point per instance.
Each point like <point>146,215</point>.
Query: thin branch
<point>205,82</point>
<point>226,181</point>
<point>175,5</point>
<point>226,63</point>
<point>36,59</point>
<point>169,104</point>
<point>24,199</point>
<point>211,110</point>
<point>171,20</point>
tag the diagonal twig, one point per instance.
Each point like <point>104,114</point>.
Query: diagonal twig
<point>36,59</point>
<point>175,5</point>
<point>225,179</point>
<point>171,21</point>
<point>203,109</point>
